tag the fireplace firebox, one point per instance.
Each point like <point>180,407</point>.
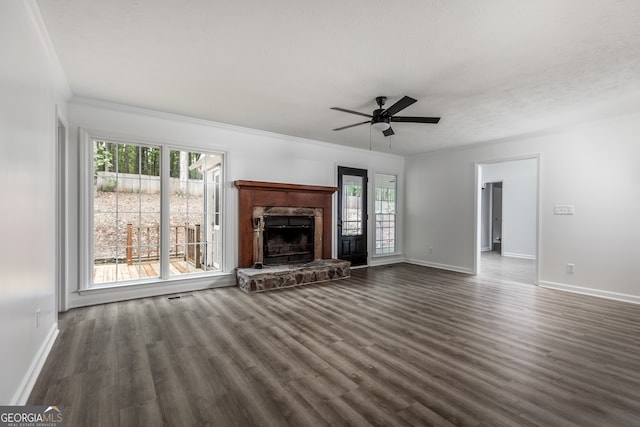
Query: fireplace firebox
<point>287,239</point>
<point>286,235</point>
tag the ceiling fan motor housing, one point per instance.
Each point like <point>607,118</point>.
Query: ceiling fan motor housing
<point>379,118</point>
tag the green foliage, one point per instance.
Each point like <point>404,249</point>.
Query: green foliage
<point>102,157</point>
<point>178,163</point>
<point>136,159</point>
<point>388,194</point>
<point>194,173</point>
<point>110,187</point>
<point>354,190</point>
<point>126,158</point>
<point>385,201</point>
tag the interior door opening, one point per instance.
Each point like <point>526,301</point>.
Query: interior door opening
<point>491,218</point>
<point>506,244</point>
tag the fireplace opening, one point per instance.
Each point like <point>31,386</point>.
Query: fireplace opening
<point>288,239</point>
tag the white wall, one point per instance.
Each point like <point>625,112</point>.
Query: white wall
<point>251,155</point>
<point>519,210</point>
<point>594,167</point>
<point>31,84</point>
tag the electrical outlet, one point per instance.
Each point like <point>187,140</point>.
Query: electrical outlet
<point>37,318</point>
<point>571,268</point>
<point>430,250</point>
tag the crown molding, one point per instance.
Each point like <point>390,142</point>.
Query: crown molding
<point>123,108</point>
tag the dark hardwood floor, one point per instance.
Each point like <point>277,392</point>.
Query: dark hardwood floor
<point>398,345</point>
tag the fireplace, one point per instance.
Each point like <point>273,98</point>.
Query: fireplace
<point>266,203</point>
<point>286,228</point>
<point>285,235</point>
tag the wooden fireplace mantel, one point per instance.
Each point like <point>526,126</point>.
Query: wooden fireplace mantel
<point>278,186</point>
<point>272,194</point>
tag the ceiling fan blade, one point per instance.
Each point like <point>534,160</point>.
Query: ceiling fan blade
<point>399,106</point>
<point>354,125</point>
<point>349,111</point>
<point>388,132</point>
<point>415,119</point>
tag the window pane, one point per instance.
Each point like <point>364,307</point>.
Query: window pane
<point>352,190</point>
<point>194,212</point>
<point>385,211</point>
<point>126,211</point>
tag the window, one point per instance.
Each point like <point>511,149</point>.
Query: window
<point>385,211</point>
<point>352,187</point>
<point>154,213</point>
<point>126,212</point>
<point>193,216</point>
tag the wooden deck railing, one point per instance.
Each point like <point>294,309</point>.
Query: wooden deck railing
<point>192,253</point>
<point>143,243</point>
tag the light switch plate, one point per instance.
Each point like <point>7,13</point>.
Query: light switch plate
<point>563,210</point>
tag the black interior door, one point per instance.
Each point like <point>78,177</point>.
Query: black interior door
<point>352,215</point>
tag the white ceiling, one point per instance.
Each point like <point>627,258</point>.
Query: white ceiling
<point>491,69</point>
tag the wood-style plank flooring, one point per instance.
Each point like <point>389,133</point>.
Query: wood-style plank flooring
<point>521,270</point>
<point>397,345</point>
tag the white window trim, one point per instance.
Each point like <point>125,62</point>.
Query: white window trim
<point>398,237</point>
<point>86,207</point>
<point>85,234</point>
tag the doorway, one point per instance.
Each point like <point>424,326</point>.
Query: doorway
<point>507,220</point>
<point>352,215</point>
<point>491,218</point>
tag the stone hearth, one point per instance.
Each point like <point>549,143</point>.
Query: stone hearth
<point>276,277</point>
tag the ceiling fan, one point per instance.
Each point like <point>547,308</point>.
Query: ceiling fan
<point>381,119</point>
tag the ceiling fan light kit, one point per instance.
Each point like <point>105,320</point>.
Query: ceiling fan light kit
<point>381,119</point>
<point>381,125</point>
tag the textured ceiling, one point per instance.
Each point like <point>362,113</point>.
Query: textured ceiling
<point>491,69</point>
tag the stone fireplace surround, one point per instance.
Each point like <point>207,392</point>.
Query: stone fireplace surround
<point>260,213</point>
<point>255,198</point>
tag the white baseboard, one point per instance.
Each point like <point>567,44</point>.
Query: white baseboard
<point>591,292</point>
<point>29,380</point>
<point>385,260</point>
<point>105,295</point>
<point>487,249</point>
<point>440,266</point>
<point>515,255</point>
